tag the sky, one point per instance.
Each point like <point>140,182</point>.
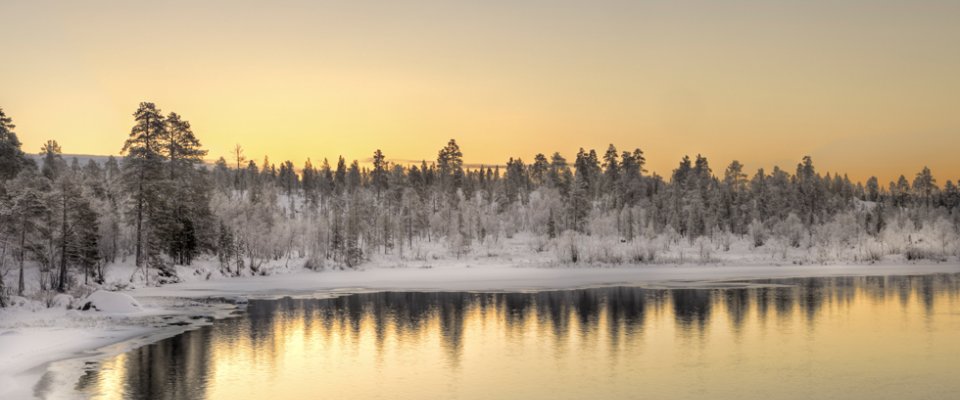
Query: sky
<point>864,87</point>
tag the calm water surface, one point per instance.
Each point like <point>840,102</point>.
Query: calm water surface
<point>844,338</point>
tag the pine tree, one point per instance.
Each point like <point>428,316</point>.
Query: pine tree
<point>873,189</point>
<point>951,195</point>
<point>225,248</point>
<point>515,181</point>
<point>379,174</point>
<point>579,204</point>
<point>559,174</point>
<point>86,239</point>
<point>611,170</point>
<point>308,182</point>
<point>28,207</point>
<point>551,225</point>
<point>53,162</point>
<point>925,185</point>
<point>733,197</point>
<point>254,181</point>
<point>68,199</point>
<point>12,158</point>
<point>143,168</point>
<point>188,205</point>
<point>539,169</point>
<point>450,164</point>
<point>354,179</point>
<point>809,190</point>
<point>180,146</point>
<point>326,179</point>
<point>900,191</point>
<point>353,253</point>
<point>631,186</point>
<point>340,176</point>
<point>239,178</point>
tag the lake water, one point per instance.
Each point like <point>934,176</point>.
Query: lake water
<point>844,338</point>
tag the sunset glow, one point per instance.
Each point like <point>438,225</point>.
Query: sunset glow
<point>863,87</point>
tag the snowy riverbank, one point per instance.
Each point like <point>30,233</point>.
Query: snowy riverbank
<point>31,340</point>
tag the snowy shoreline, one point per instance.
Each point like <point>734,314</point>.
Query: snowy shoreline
<point>50,348</point>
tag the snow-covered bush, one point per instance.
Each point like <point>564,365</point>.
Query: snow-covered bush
<point>641,251</point>
<point>568,247</point>
<point>790,230</point>
<point>757,233</point>
<point>600,251</point>
<point>724,240</point>
<point>704,249</point>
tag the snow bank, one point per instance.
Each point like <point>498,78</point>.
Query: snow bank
<point>61,301</point>
<point>508,278</point>
<point>111,302</point>
<point>45,348</point>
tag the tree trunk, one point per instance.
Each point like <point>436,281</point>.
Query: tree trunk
<point>139,259</point>
<point>23,241</point>
<point>115,232</point>
<point>3,288</point>
<point>62,281</point>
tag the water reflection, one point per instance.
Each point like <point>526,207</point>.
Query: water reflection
<point>810,337</point>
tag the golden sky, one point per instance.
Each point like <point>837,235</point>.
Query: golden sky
<point>866,87</point>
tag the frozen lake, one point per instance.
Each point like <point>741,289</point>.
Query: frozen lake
<point>893,337</point>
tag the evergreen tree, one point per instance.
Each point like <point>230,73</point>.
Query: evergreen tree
<point>143,170</point>
<point>579,204</point>
<point>12,158</point>
<point>340,176</point>
<point>226,250</point>
<point>925,185</point>
<point>354,179</point>
<point>631,186</point>
<point>733,197</point>
<point>180,146</point>
<point>85,239</point>
<point>450,164</point>
<point>187,202</point>
<point>309,183</point>
<point>551,225</point>
<point>611,170</point>
<point>900,191</point>
<point>379,174</point>
<point>808,190</point>
<point>873,189</point>
<point>539,169</point>
<point>515,184</point>
<point>288,177</point>
<point>27,208</point>
<point>68,198</point>
<point>326,179</point>
<point>560,174</point>
<point>53,162</point>
<point>239,179</point>
<point>254,181</point>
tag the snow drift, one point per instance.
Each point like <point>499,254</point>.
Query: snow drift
<point>111,302</point>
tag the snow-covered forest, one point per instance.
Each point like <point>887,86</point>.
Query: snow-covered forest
<point>162,212</point>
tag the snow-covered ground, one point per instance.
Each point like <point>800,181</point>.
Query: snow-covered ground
<point>504,278</point>
<point>33,336</point>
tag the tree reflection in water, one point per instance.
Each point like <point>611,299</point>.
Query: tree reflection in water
<point>614,340</point>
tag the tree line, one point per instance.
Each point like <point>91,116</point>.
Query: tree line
<point>159,205</point>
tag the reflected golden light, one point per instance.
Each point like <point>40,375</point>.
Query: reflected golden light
<point>842,335</point>
<point>868,92</point>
